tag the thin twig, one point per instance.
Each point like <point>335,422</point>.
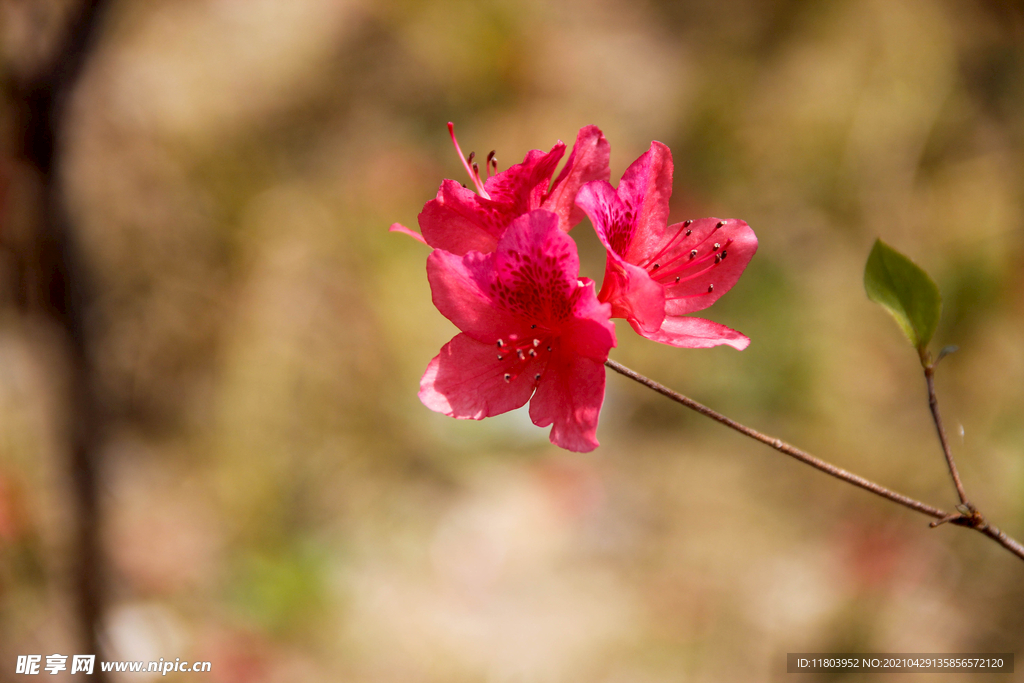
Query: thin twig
<point>972,520</point>
<point>780,445</point>
<point>933,404</point>
<point>969,516</point>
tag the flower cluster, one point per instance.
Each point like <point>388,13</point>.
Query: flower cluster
<point>506,272</point>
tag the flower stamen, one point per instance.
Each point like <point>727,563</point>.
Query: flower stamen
<point>672,241</point>
<point>703,259</point>
<point>474,172</point>
<point>693,261</point>
<point>525,353</point>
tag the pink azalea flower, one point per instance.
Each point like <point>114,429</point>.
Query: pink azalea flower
<point>530,327</point>
<point>460,220</point>
<point>655,273</point>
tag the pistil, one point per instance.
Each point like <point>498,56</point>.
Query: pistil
<point>474,170</point>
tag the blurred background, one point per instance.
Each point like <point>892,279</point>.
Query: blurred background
<point>271,495</point>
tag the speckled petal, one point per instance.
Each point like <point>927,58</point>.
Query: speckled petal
<point>645,189</point>
<point>536,268</point>
<point>461,288</point>
<point>467,381</point>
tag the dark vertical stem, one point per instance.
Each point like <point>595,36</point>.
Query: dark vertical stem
<point>933,404</point>
<point>63,292</point>
<point>968,515</point>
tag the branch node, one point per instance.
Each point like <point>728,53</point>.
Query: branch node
<point>952,517</point>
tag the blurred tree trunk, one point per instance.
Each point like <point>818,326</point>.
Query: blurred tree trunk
<point>58,284</point>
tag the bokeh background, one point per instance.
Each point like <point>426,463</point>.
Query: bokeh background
<point>276,500</point>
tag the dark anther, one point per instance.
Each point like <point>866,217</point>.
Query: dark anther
<point>687,224</point>
<point>711,288</point>
<point>508,377</point>
<point>689,232</point>
<point>501,357</point>
<point>693,253</point>
<point>724,253</point>
<point>500,343</point>
<point>469,159</point>
<point>656,266</point>
<point>720,224</point>
<point>718,259</point>
<point>533,327</point>
<point>549,349</point>
<point>533,354</point>
<point>536,377</point>
<point>677,278</point>
<point>717,245</point>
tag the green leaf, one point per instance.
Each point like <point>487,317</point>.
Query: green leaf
<point>905,290</point>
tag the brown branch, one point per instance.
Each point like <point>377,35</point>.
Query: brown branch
<point>780,445</point>
<point>968,515</point>
<point>973,520</point>
<point>933,404</point>
<point>1001,538</point>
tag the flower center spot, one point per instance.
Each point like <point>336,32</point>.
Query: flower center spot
<point>522,354</point>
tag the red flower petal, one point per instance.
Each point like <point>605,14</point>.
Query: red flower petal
<point>656,270</point>
<point>696,333</point>
<point>569,399</point>
<point>699,268</point>
<point>459,220</point>
<point>633,295</point>
<point>528,322</point>
<point>587,162</point>
<point>644,190</point>
<point>522,187</point>
<point>462,289</point>
<point>398,227</point>
<point>466,381</point>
